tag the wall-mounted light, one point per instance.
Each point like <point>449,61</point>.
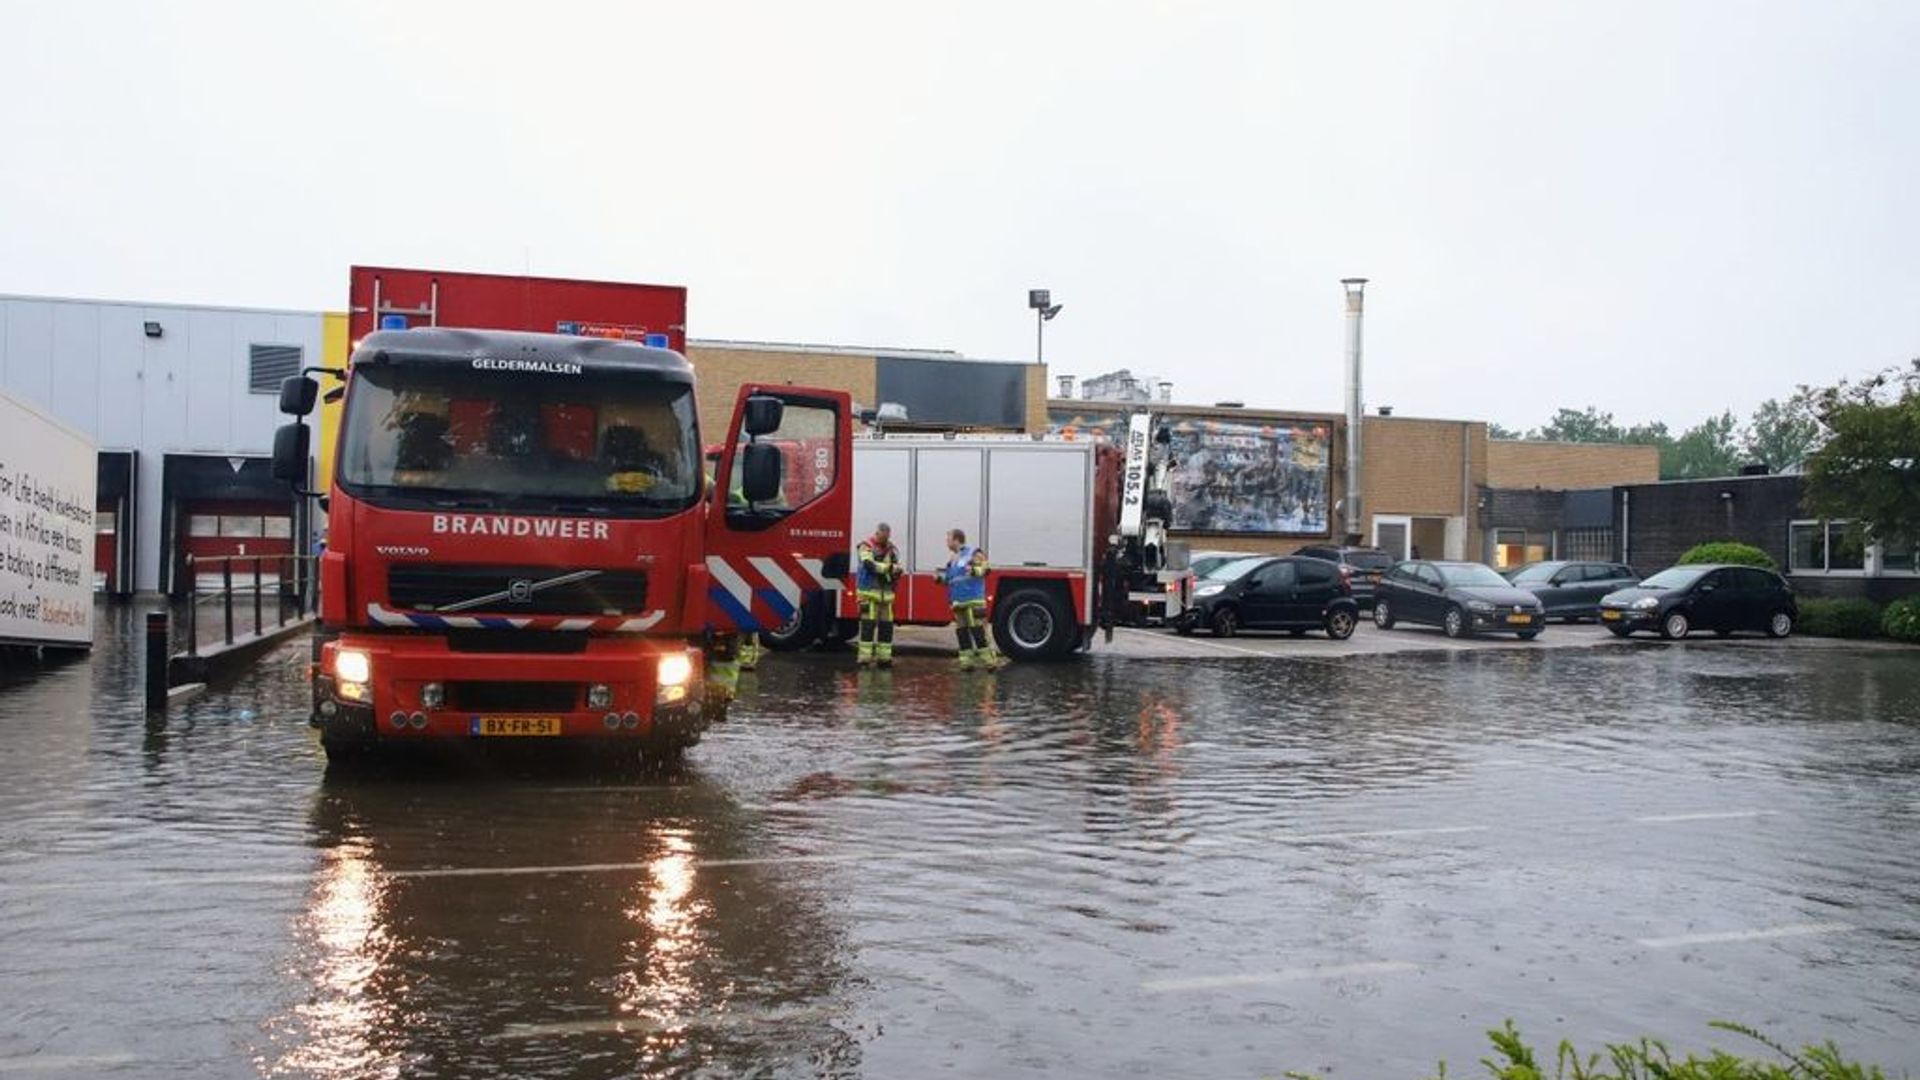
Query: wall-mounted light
<point>154,329</point>
<point>1726,496</point>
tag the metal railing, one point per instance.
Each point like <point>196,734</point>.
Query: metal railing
<point>294,584</point>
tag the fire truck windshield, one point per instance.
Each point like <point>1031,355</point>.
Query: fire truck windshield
<point>592,443</point>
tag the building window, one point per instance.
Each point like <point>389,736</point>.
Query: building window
<point>1513,547</point>
<point>267,365</point>
<point>1835,547</point>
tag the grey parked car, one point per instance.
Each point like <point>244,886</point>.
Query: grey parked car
<point>1572,590</point>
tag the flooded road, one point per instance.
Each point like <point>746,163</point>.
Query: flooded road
<point>1116,867</point>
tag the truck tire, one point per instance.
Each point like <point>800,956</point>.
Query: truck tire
<point>798,632</point>
<point>1034,624</point>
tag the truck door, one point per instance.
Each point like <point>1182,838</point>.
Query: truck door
<point>780,514</point>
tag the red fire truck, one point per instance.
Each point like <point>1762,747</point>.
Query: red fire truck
<point>522,541</point>
<point>1075,530</point>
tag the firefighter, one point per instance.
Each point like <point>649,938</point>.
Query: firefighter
<point>966,580</point>
<point>878,574</point>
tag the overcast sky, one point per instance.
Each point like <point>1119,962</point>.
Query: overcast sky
<point>1662,209</point>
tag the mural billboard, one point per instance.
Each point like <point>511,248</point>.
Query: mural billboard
<point>1267,477</point>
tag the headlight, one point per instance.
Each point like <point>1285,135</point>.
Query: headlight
<point>1480,607</point>
<point>674,670</point>
<point>352,665</point>
<point>1214,589</point>
<point>1646,603</point>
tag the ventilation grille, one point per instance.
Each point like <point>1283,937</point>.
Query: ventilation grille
<point>267,365</point>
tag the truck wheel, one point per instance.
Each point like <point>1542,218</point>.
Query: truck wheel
<point>1033,624</point>
<point>845,630</point>
<point>346,754</point>
<point>797,632</point>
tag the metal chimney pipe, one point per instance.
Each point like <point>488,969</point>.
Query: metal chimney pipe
<point>1166,393</point>
<point>1356,288</point>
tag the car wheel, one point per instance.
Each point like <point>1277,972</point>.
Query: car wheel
<point>1675,626</point>
<point>1527,635</point>
<point>1226,622</point>
<point>1618,631</point>
<point>1780,625</point>
<point>1340,624</point>
<point>1382,615</point>
<point>1455,622</point>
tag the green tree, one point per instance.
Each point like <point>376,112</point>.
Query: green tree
<point>1497,430</point>
<point>1588,425</point>
<point>1709,448</point>
<point>1784,431</point>
<point>1868,468</point>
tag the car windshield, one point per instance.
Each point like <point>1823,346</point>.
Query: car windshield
<point>456,437</point>
<point>1234,570</point>
<point>1536,574</point>
<point>1678,577</point>
<point>1369,560</point>
<point>1471,575</point>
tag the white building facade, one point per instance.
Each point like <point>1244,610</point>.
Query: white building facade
<point>183,404</point>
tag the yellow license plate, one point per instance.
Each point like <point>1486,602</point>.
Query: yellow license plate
<point>1610,615</point>
<point>1519,618</point>
<point>515,725</point>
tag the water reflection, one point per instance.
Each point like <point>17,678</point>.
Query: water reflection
<point>440,939</point>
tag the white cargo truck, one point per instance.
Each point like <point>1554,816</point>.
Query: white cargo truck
<point>48,474</point>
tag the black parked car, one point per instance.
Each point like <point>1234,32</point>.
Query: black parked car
<point>1572,590</point>
<point>1461,597</point>
<point>1273,593</point>
<point>1362,567</point>
<point>1722,599</point>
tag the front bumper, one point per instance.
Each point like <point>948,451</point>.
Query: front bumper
<point>1632,618</point>
<point>493,697</point>
<point>1507,621</point>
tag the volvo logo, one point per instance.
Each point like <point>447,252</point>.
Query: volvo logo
<point>520,591</point>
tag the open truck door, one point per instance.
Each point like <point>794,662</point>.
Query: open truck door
<point>780,516</point>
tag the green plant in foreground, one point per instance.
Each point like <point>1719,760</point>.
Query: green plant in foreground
<point>1649,1059</point>
<point>1901,622</point>
<point>1846,618</point>
<point>1728,551</point>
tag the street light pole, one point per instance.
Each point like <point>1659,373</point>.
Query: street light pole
<point>1044,309</point>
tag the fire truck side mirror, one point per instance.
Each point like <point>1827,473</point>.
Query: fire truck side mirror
<point>763,414</point>
<point>298,393</point>
<point>761,466</point>
<point>290,444</point>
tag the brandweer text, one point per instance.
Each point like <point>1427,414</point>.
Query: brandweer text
<point>495,525</point>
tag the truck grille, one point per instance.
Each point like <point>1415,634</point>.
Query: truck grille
<point>516,590</point>
<point>513,697</point>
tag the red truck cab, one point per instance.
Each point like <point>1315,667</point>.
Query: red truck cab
<point>522,541</point>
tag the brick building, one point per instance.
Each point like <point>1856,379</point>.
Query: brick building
<point>1658,522</point>
<point>1552,500</point>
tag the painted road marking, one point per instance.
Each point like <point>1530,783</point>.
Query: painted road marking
<point>1198,643</point>
<point>64,1062</point>
<point>1722,815</point>
<point>202,880</point>
<point>1273,978</point>
<point>1767,934</point>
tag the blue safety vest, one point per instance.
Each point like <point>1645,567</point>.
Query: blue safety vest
<point>865,579</point>
<point>963,586</point>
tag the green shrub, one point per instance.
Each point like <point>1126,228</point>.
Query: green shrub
<point>1728,551</point>
<point>1902,620</point>
<point>1839,618</point>
<point>1650,1059</point>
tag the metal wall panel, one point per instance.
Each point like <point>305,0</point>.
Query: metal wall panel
<point>963,393</point>
<point>29,358</point>
<point>950,485</point>
<point>76,393</point>
<point>883,491</point>
<point>210,342</point>
<point>1037,506</point>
